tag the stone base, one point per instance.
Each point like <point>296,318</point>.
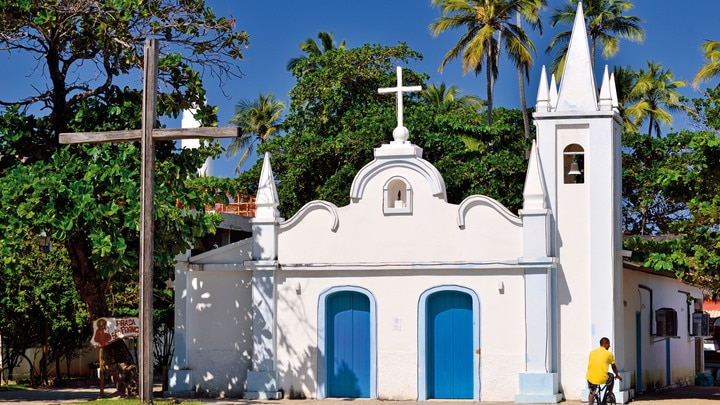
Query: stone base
<point>539,388</point>
<point>262,385</point>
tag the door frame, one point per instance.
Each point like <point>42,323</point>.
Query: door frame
<point>422,338</point>
<point>322,343</point>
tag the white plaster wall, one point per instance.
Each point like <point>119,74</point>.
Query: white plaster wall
<point>574,270</point>
<point>397,294</point>
<point>654,352</point>
<point>219,331</point>
<point>430,234</point>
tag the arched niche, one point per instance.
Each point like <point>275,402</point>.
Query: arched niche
<point>397,196</point>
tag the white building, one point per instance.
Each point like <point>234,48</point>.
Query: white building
<point>401,295</point>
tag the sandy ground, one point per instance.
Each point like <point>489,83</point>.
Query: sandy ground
<point>677,396</point>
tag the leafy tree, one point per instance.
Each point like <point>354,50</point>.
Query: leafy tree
<point>40,306</point>
<point>331,137</point>
<point>679,192</point>
<point>311,48</point>
<point>258,121</point>
<point>711,52</point>
<point>606,24</point>
<point>487,26</point>
<point>86,197</point>
<point>652,93</point>
<point>647,208</point>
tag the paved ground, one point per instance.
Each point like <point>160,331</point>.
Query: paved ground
<point>678,396</point>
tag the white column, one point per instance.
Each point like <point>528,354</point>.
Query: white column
<point>262,380</point>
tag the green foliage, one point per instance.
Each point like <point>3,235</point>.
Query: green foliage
<point>259,120</point>
<point>87,197</point>
<point>671,188</point>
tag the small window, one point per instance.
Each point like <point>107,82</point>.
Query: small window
<point>397,198</point>
<point>574,164</point>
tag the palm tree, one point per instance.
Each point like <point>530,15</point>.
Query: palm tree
<point>606,24</point>
<point>311,48</point>
<point>711,52</point>
<point>449,97</point>
<point>487,26</point>
<point>258,120</point>
<point>531,14</point>
<point>653,90</point>
<point>625,79</point>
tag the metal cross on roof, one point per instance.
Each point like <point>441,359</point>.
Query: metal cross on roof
<point>400,134</point>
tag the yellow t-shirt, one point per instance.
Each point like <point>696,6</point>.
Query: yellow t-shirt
<point>598,363</point>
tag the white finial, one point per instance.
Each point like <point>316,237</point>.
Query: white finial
<point>400,134</point>
<point>542,102</point>
<point>605,99</point>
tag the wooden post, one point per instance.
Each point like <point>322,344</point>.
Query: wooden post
<point>147,189</point>
<point>101,373</point>
<point>146,135</point>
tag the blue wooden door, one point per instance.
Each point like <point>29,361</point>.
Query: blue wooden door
<point>348,341</point>
<point>449,345</point>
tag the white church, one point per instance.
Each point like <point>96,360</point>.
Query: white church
<point>400,295</point>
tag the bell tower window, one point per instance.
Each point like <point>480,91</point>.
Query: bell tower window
<point>573,164</point>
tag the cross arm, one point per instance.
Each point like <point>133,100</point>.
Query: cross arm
<point>161,134</point>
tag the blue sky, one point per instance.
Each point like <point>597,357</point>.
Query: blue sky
<point>674,32</point>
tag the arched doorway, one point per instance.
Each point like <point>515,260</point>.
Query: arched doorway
<point>347,341</point>
<point>449,343</point>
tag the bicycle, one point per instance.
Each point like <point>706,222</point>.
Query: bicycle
<point>601,395</point>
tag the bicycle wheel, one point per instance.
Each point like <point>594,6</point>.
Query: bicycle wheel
<point>610,398</point>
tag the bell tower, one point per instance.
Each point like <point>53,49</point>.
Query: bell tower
<point>579,147</point>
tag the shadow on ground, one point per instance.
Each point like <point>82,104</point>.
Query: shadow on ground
<point>689,392</point>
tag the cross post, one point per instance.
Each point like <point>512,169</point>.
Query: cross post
<point>147,136</point>
<point>400,133</point>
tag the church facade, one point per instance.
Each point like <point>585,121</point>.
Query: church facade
<point>400,295</point>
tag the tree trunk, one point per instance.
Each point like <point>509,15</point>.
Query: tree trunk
<point>489,76</point>
<point>94,289</point>
<point>521,86</point>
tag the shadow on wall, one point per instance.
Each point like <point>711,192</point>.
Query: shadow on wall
<point>222,303</point>
<point>300,368</point>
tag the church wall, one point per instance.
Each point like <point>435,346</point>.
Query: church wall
<point>218,330</point>
<point>397,294</point>
<point>430,233</point>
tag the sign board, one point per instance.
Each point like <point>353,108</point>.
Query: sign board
<point>108,330</point>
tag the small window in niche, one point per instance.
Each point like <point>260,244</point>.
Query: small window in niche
<point>397,196</point>
<point>574,164</point>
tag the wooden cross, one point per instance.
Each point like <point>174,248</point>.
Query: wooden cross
<point>399,89</point>
<point>147,135</point>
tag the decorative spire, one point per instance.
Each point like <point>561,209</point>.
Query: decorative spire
<point>605,103</point>
<point>613,91</point>
<point>400,133</point>
<point>543,98</point>
<point>534,190</point>
<point>577,83</point>
<point>267,198</point>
